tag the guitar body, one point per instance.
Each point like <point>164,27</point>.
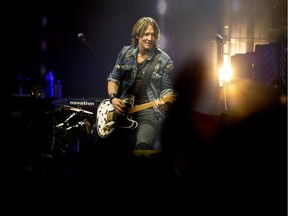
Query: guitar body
<point>107,120</point>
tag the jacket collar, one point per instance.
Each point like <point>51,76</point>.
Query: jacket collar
<point>150,54</point>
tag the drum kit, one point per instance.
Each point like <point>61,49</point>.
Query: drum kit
<point>75,123</point>
<point>66,124</point>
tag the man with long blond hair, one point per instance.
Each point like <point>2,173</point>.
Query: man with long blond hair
<point>142,77</point>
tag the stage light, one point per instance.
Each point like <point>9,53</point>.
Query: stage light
<point>225,72</point>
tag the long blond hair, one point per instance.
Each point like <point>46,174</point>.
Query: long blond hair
<point>141,26</point>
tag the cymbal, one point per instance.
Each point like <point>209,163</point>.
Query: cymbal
<point>80,110</point>
<point>77,109</point>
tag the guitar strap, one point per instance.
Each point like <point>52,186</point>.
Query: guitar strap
<point>146,76</point>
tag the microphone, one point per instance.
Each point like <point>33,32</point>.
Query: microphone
<point>218,36</point>
<point>81,37</point>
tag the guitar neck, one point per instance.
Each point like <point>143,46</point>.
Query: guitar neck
<point>140,107</point>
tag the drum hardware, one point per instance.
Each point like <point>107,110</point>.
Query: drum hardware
<point>65,123</point>
<point>76,109</point>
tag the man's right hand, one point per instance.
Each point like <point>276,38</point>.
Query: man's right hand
<point>119,106</point>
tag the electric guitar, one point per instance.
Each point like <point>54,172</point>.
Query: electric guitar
<point>107,120</point>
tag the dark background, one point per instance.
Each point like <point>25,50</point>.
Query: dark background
<point>106,25</point>
<point>186,27</point>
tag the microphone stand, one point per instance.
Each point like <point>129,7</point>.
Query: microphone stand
<point>82,38</point>
<point>220,56</point>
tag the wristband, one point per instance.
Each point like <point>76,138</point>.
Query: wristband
<point>112,96</point>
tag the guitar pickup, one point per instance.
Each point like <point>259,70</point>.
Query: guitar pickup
<point>111,116</point>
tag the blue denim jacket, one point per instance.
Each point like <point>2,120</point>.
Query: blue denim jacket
<point>125,71</point>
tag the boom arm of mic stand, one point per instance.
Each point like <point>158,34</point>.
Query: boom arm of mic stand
<point>95,53</point>
<point>221,57</point>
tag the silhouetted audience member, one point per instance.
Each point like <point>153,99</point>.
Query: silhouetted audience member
<point>234,162</point>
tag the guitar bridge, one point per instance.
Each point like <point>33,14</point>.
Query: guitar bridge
<point>108,127</point>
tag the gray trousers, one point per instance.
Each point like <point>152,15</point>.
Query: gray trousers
<point>144,135</point>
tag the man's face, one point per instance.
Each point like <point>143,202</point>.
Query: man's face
<point>148,39</point>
